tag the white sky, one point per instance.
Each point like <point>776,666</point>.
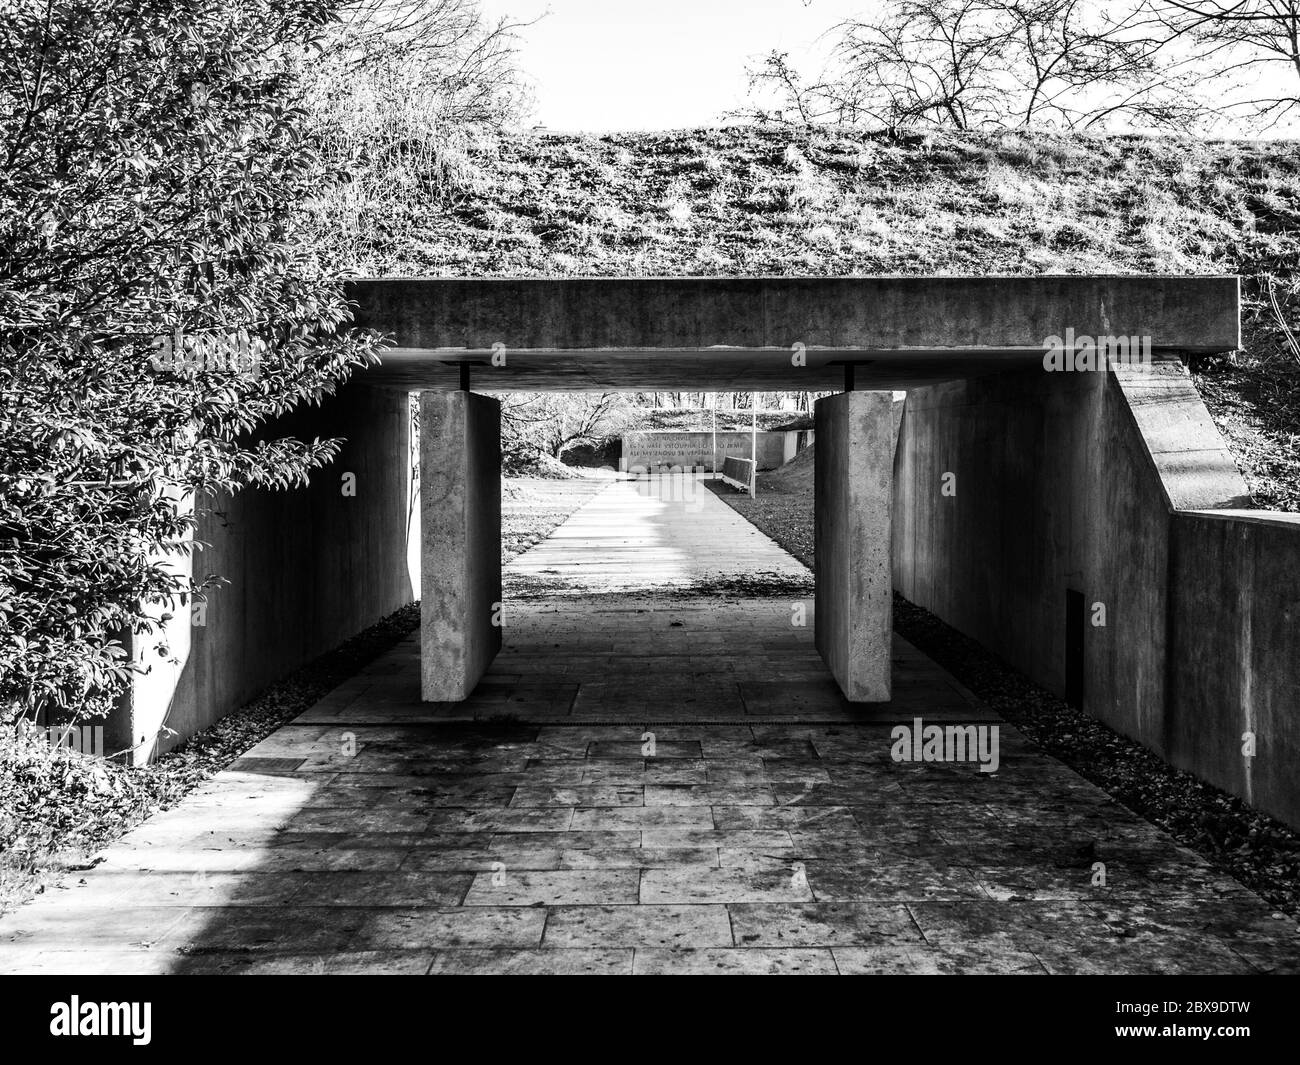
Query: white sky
<point>600,65</point>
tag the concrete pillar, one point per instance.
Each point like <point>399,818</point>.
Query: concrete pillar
<point>853,500</point>
<point>460,524</point>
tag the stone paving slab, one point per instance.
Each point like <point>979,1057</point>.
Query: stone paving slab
<point>768,830</point>
<point>639,927</point>
<point>655,670</point>
<point>549,962</point>
<point>754,961</point>
<point>848,872</point>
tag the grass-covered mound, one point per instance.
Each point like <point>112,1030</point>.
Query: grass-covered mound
<point>744,201</point>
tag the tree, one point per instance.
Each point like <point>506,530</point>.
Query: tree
<point>966,64</point>
<point>156,305</point>
<point>464,61</point>
<point>400,94</point>
<point>1257,41</point>
<point>553,422</point>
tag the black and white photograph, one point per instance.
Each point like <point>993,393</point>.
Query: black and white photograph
<point>693,488</point>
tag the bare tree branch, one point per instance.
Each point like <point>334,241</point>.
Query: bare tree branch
<point>992,63</point>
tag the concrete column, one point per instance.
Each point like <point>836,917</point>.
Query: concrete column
<point>460,524</point>
<point>854,496</point>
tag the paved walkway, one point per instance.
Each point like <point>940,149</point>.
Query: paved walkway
<point>650,534</point>
<point>764,826</point>
<point>602,623</point>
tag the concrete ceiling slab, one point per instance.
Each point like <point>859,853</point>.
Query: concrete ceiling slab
<point>776,333</point>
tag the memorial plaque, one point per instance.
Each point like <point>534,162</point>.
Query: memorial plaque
<point>654,448</point>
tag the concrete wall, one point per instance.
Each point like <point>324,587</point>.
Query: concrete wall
<point>1234,660</point>
<point>795,441</point>
<point>853,489</point>
<point>460,502</point>
<point>654,448</point>
<point>308,568</point>
<point>1074,483</point>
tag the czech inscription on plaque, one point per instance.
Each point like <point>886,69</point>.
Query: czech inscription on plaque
<point>653,449</point>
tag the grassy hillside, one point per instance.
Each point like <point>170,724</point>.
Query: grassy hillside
<point>744,201</point>
<point>701,419</point>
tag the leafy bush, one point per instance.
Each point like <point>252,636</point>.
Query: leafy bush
<point>156,306</point>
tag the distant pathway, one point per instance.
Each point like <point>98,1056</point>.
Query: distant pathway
<point>644,784</point>
<point>653,533</point>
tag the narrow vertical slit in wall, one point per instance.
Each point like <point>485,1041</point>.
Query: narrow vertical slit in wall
<point>1075,620</point>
